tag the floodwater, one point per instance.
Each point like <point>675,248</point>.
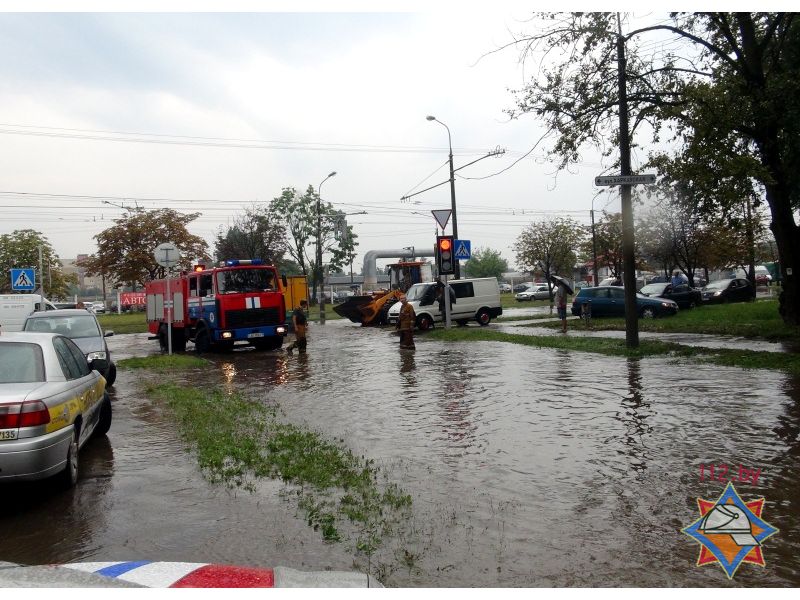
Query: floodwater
<point>526,466</point>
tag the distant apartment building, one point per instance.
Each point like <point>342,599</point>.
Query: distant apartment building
<point>69,266</point>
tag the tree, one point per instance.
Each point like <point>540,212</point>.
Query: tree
<point>608,233</point>
<point>258,233</point>
<point>125,251</point>
<point>728,90</point>
<point>20,250</point>
<point>486,262</point>
<point>300,215</point>
<point>549,246</point>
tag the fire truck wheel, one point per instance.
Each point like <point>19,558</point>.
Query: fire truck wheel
<point>201,341</point>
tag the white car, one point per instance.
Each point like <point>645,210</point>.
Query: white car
<point>52,402</point>
<point>536,292</point>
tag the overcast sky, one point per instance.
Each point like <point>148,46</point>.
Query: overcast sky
<point>212,112</point>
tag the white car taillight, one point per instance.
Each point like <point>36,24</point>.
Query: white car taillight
<point>23,414</point>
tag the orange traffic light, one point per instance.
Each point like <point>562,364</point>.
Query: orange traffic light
<point>444,255</point>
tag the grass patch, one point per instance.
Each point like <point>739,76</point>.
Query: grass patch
<point>163,362</point>
<point>238,440</point>
<point>758,319</point>
<point>747,359</point>
<point>134,322</point>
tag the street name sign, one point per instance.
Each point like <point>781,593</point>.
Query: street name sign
<point>624,179</point>
<point>23,279</point>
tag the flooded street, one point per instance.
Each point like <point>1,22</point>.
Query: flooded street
<point>526,466</point>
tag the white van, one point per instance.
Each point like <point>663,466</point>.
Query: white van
<point>477,299</point>
<point>15,308</point>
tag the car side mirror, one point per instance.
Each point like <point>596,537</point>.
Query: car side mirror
<point>108,333</point>
<point>93,366</point>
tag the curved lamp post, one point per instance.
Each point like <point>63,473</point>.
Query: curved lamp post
<point>319,249</point>
<point>452,188</point>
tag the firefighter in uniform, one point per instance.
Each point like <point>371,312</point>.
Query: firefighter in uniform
<point>300,323</point>
<point>405,323</point>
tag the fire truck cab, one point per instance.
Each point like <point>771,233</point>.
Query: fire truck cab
<point>239,301</point>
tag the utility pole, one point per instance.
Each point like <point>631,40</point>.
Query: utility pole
<point>594,249</point>
<point>628,245</point>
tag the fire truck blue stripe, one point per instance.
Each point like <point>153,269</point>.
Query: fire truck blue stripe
<point>122,568</point>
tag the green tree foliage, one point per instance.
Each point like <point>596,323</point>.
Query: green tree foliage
<point>20,250</point>
<point>725,86</point>
<point>550,246</point>
<point>608,233</point>
<point>258,233</point>
<point>486,262</point>
<point>299,213</point>
<point>125,251</point>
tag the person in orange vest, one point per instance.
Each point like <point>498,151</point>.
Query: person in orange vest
<point>405,323</point>
<point>300,323</point>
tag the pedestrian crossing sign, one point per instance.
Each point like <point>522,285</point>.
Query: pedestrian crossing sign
<point>23,279</point>
<point>463,249</point>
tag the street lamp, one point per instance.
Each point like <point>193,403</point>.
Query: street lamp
<point>319,248</point>
<point>452,189</point>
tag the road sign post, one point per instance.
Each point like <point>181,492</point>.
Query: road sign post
<point>167,255</point>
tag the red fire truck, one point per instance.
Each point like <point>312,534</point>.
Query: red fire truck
<point>241,300</point>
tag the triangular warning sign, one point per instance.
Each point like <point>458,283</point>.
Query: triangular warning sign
<point>442,217</point>
<point>23,281</point>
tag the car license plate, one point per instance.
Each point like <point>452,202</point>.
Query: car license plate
<point>255,334</point>
<point>8,434</point>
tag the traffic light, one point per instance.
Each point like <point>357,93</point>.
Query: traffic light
<point>445,260</point>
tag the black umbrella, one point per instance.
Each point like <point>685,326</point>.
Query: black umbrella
<point>560,280</point>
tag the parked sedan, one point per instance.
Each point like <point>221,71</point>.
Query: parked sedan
<point>683,295</point>
<point>537,292</point>
<point>51,403</point>
<point>81,327</point>
<point>505,288</point>
<point>609,301</point>
<point>728,290</point>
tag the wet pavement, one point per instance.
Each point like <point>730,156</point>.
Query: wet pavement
<point>526,466</point>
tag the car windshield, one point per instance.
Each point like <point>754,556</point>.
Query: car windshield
<point>718,285</point>
<point>245,280</point>
<point>653,289</point>
<point>78,326</point>
<point>416,292</point>
<point>21,363</point>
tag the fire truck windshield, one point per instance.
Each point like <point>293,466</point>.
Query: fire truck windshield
<point>236,281</point>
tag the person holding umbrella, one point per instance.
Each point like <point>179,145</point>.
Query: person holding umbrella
<point>562,290</point>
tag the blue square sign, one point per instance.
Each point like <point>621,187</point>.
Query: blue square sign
<point>463,249</point>
<point>23,280</point>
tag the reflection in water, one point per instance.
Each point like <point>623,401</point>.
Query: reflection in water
<point>70,519</point>
<point>634,418</point>
<point>408,368</point>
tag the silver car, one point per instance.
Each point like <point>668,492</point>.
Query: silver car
<point>535,292</point>
<point>51,403</point>
<point>83,328</point>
